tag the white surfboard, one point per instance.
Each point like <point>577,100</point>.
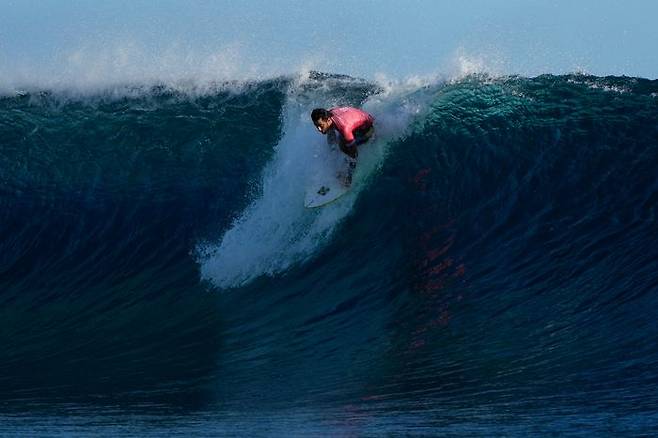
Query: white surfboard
<point>330,182</point>
<point>322,194</point>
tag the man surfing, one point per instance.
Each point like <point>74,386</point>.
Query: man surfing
<point>352,126</point>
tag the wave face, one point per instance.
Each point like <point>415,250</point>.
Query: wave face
<point>495,267</point>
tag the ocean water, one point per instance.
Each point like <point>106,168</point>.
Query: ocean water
<point>494,270</point>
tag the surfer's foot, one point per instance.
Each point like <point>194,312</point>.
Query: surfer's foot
<point>346,181</point>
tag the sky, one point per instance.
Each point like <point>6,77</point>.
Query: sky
<point>89,40</point>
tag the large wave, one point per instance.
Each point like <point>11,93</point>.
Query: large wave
<point>500,238</point>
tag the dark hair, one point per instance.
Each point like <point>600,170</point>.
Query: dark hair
<point>319,113</point>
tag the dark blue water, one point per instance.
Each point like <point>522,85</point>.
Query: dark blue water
<point>494,271</point>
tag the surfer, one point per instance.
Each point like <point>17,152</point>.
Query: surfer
<point>352,126</point>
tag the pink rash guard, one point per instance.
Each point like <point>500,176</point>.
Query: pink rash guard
<point>346,119</point>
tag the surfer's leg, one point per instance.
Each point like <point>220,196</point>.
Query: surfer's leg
<point>351,165</point>
<point>349,151</point>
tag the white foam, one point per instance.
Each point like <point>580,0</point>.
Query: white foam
<point>115,65</point>
<point>275,231</point>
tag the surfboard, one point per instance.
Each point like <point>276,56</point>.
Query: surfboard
<point>322,194</point>
<point>330,181</point>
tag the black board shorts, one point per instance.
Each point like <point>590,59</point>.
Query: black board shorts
<point>363,134</point>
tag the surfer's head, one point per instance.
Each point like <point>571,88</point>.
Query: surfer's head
<point>321,119</point>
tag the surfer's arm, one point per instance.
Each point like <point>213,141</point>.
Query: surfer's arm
<point>348,143</point>
<point>331,137</point>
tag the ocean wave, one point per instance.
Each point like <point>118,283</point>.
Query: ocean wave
<point>499,238</point>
